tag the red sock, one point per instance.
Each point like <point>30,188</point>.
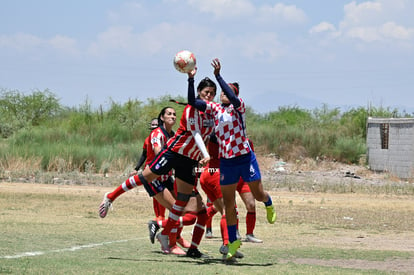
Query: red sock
<point>209,222</point>
<point>159,210</point>
<point>172,237</point>
<point>188,219</point>
<point>155,207</point>
<point>210,215</point>
<point>211,211</point>
<point>250,222</point>
<point>198,231</point>
<point>173,220</point>
<point>223,230</point>
<point>129,184</point>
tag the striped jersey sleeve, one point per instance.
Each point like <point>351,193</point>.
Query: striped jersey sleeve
<point>192,120</point>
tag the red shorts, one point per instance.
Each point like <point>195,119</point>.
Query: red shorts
<point>210,183</point>
<point>242,186</point>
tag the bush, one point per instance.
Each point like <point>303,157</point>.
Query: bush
<point>21,110</point>
<point>95,140</point>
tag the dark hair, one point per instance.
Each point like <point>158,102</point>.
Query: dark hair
<point>235,87</point>
<point>150,124</point>
<point>206,82</point>
<point>162,113</point>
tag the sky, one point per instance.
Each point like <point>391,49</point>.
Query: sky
<point>297,53</point>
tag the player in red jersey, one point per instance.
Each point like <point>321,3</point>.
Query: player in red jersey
<point>159,209</point>
<point>160,189</point>
<point>156,140</point>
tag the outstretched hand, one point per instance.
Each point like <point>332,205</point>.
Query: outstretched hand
<point>216,65</point>
<point>192,73</point>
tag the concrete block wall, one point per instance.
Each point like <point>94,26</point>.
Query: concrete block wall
<point>399,157</point>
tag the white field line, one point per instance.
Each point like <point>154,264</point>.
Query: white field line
<point>70,249</point>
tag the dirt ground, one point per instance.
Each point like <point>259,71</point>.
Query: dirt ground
<point>275,171</point>
<point>307,170</point>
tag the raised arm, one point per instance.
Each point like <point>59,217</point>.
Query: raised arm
<point>224,86</point>
<point>192,100</point>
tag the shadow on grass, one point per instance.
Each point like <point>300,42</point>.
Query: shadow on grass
<point>184,259</point>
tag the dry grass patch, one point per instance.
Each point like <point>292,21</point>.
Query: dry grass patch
<point>315,233</point>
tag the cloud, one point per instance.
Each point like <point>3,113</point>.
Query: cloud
<point>117,38</point>
<point>394,31</point>
<point>371,21</point>
<point>64,44</point>
<point>160,38</point>
<point>389,31</point>
<point>247,10</point>
<point>263,46</point>
<point>222,9</point>
<point>361,14</point>
<point>126,37</point>
<point>322,27</point>
<point>35,46</point>
<point>376,21</point>
<point>20,41</point>
<point>281,12</point>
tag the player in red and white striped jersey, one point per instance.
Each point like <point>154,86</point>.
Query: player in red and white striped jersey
<point>192,121</point>
<point>186,149</point>
<point>183,153</point>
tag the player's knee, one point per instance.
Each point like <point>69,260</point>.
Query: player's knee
<point>202,217</point>
<point>183,197</point>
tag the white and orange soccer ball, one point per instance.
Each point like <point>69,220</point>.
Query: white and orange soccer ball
<point>184,61</point>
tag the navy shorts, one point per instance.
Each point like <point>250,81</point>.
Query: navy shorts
<point>184,167</point>
<point>157,186</point>
<point>244,166</point>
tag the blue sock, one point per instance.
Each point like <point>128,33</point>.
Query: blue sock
<point>232,232</point>
<point>269,202</point>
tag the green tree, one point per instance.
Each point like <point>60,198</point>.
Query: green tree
<point>18,110</point>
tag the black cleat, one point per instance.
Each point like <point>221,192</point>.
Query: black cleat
<point>195,253</point>
<point>153,227</point>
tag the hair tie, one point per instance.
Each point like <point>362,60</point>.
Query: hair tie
<point>236,91</point>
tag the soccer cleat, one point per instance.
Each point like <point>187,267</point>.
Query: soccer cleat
<point>232,249</point>
<point>238,236</point>
<point>209,233</point>
<point>104,206</point>
<point>224,250</point>
<point>153,227</point>
<point>195,253</point>
<point>176,250</point>
<point>251,238</point>
<point>183,243</point>
<point>271,214</point>
<point>163,239</point>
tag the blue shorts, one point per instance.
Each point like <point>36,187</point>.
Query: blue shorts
<point>245,166</point>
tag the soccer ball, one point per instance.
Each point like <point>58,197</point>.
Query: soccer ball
<point>184,61</point>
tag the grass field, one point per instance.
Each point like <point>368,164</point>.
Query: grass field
<point>55,229</point>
